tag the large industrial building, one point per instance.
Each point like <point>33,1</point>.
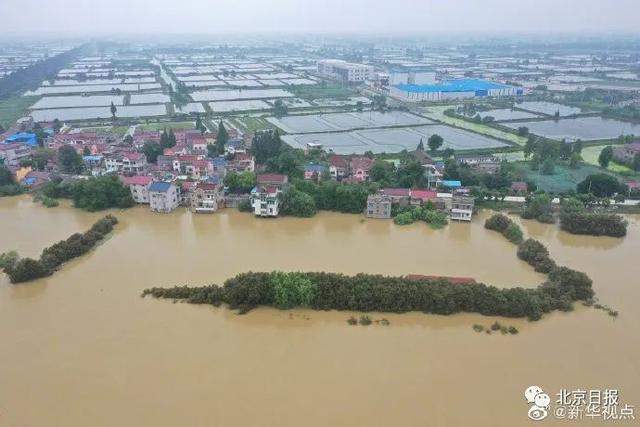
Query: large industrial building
<point>344,71</point>
<point>411,76</point>
<point>452,89</point>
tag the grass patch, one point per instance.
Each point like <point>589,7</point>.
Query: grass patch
<point>11,109</point>
<point>590,155</point>
<point>167,125</point>
<point>563,178</point>
<point>251,124</point>
<point>317,91</point>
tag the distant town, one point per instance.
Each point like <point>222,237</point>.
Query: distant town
<point>380,130</point>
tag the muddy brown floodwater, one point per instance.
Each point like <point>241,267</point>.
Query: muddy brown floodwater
<point>81,348</point>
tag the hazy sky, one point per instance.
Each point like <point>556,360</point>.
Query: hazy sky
<point>372,16</point>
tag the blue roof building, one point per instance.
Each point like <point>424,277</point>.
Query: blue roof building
<point>453,89</point>
<point>23,137</point>
<point>159,187</point>
<point>451,184</point>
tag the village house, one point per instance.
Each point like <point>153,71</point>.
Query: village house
<point>196,143</point>
<point>624,154</point>
<point>195,166</point>
<point>79,138</point>
<point>378,206</point>
<point>272,179</point>
<point>338,167</point>
<point>419,197</point>
<point>434,175</point>
<point>140,137</point>
<point>265,200</point>
<point>94,163</point>
<point>12,153</point>
<point>139,187</point>
<point>483,162</point>
<point>163,197</point>
<point>461,206</point>
<point>360,167</point>
<point>35,179</point>
<point>164,162</point>
<point>242,162</point>
<point>265,197</point>
<point>398,196</point>
<point>129,162</point>
<point>234,146</point>
<point>206,197</point>
<point>186,189</point>
<point>314,172</point>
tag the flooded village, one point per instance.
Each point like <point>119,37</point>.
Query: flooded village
<point>319,230</point>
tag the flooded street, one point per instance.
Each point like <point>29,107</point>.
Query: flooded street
<point>82,348</point>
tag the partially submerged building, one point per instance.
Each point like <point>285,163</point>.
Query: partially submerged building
<point>163,197</point>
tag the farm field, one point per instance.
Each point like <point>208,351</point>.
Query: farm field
<point>243,105</point>
<point>549,108</point>
<point>345,121</point>
<point>392,140</point>
<point>11,109</point>
<point>507,114</point>
<point>53,90</point>
<point>437,113</point>
<point>227,95</point>
<point>584,128</point>
<point>251,124</point>
<point>563,179</point>
<point>77,101</point>
<point>87,113</point>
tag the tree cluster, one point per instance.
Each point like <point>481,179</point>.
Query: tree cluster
<point>426,213</point>
<point>575,219</point>
<point>93,194</point>
<point>504,225</point>
<point>366,292</point>
<point>27,269</point>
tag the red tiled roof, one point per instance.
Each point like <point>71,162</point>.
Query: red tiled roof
<point>397,192</point>
<point>132,155</point>
<point>206,186</point>
<point>363,163</point>
<point>271,178</point>
<point>188,185</point>
<point>424,194</point>
<point>338,161</point>
<point>136,180</point>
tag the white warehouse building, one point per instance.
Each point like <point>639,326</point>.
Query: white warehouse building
<point>411,76</point>
<point>344,71</point>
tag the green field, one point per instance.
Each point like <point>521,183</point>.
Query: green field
<point>167,125</point>
<point>251,124</point>
<point>12,109</point>
<point>328,91</point>
<point>437,113</point>
<point>563,179</point>
<point>114,130</point>
<point>590,155</point>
